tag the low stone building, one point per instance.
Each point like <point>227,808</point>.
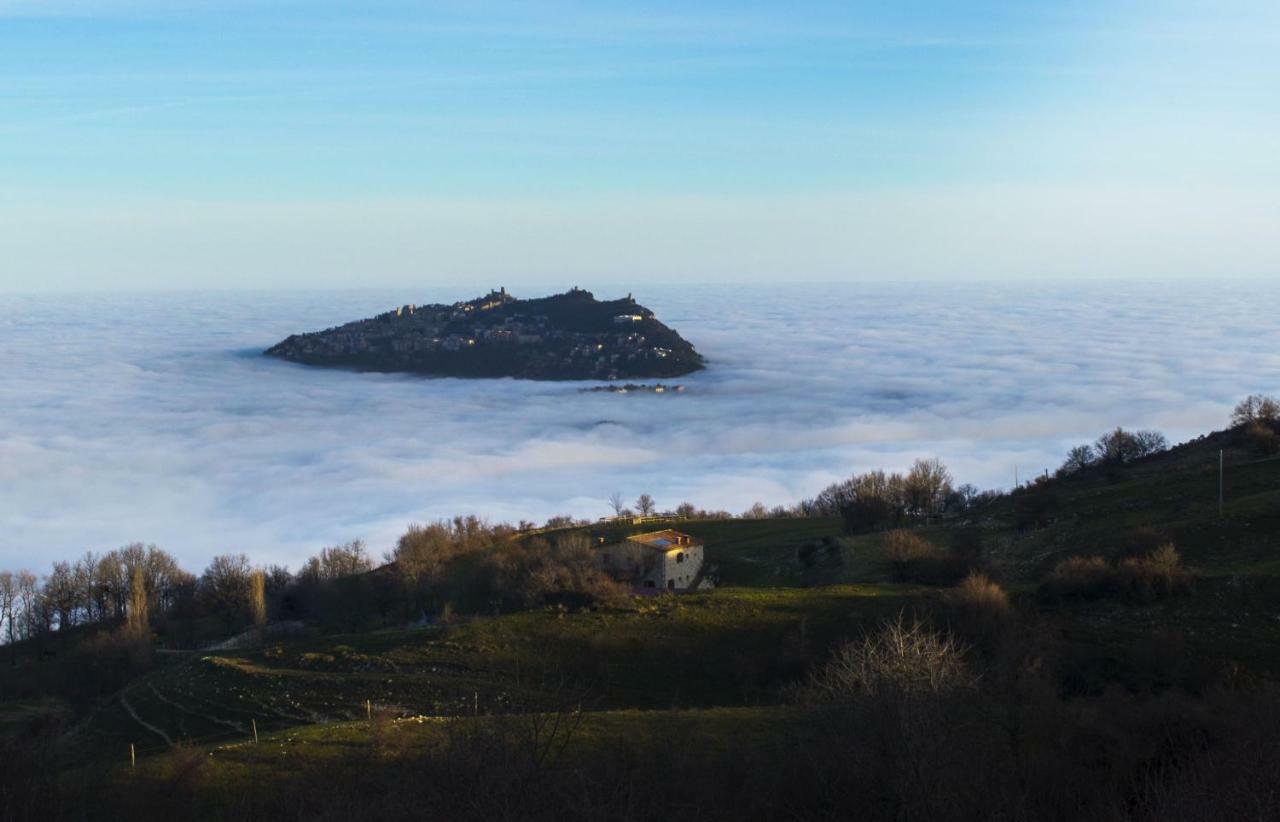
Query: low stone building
<point>659,560</point>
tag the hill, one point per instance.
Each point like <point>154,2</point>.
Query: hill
<point>676,695</point>
<point>569,336</point>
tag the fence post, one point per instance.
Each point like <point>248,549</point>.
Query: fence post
<point>368,709</point>
<point>254,723</point>
<point>133,756</point>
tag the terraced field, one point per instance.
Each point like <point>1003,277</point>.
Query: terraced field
<point>727,647</point>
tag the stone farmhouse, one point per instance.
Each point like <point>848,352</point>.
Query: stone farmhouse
<point>659,560</point>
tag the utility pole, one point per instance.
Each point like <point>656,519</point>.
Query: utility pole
<point>1015,478</point>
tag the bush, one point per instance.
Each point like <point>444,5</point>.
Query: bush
<point>980,610</point>
<point>979,596</point>
<point>902,547</point>
<point>915,559</point>
<point>903,658</point>
<point>1136,579</point>
<point>1077,578</point>
<point>1262,438</point>
<point>1147,579</point>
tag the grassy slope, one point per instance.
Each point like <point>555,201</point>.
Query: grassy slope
<point>1235,613</point>
<point>734,646</point>
<point>737,646</point>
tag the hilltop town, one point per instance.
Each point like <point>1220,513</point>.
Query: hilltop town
<point>569,336</point>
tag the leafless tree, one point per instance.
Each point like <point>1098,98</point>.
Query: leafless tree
<point>1078,459</point>
<point>224,587</point>
<point>27,602</point>
<point>1256,408</point>
<point>138,620</point>
<point>258,602</point>
<point>616,503</point>
<point>927,485</point>
<point>645,505</point>
<point>336,562</point>
<point>8,604</point>
<point>61,595</point>
<point>1119,447</point>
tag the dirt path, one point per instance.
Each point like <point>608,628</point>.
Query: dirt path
<point>173,704</point>
<point>124,701</point>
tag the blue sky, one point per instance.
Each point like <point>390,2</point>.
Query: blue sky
<point>319,143</point>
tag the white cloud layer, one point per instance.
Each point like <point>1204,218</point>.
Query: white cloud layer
<point>152,417</point>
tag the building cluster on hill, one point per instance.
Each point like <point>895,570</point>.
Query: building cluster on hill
<point>568,336</point>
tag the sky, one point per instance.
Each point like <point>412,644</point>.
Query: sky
<point>324,144</point>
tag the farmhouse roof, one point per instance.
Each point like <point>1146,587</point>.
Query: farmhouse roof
<point>665,540</point>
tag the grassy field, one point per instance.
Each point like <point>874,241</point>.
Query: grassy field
<point>734,646</point>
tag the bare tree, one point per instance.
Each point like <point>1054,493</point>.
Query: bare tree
<point>61,595</point>
<point>8,602</point>
<point>337,561</point>
<point>1078,459</point>
<point>645,505</point>
<point>224,587</point>
<point>927,485</point>
<point>110,583</point>
<point>616,503</point>
<point>1120,447</point>
<point>138,619</point>
<point>1256,408</point>
<point>258,602</point>
<point>28,596</point>
<point>85,574</point>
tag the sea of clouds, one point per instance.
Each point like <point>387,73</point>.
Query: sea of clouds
<point>154,417</point>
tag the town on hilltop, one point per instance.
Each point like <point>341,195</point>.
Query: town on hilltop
<point>569,336</point>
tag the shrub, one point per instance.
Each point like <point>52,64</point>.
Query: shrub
<point>1262,438</point>
<point>902,658</point>
<point>977,594</point>
<point>903,547</point>
<point>1137,579</point>
<point>1161,575</point>
<point>915,559</point>
<point>1077,578</point>
<point>980,610</point>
